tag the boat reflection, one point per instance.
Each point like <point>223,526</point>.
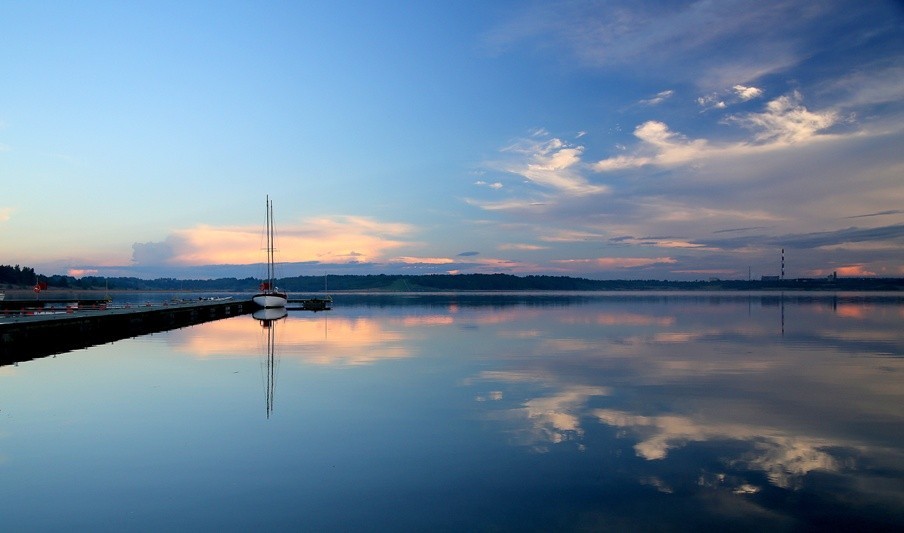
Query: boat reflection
<point>268,319</point>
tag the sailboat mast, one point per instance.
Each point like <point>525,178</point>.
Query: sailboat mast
<point>269,215</point>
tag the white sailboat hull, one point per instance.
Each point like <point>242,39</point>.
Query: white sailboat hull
<point>269,300</point>
<point>270,314</point>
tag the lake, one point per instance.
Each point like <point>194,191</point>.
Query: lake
<point>467,412</point>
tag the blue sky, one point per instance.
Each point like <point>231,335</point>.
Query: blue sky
<point>667,140</point>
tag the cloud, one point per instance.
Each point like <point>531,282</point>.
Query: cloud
<point>879,214</point>
<point>659,98</point>
<point>659,146</point>
<point>424,260</point>
<point>712,101</point>
<point>735,230</point>
<point>468,254</point>
<point>5,213</point>
<point>81,272</point>
<point>618,263</point>
<point>552,165</point>
<point>785,122</point>
<point>496,185</point>
<point>712,44</point>
<point>737,94</point>
<point>523,247</point>
<point>324,240</point>
<point>570,235</point>
<point>854,271</point>
<point>747,93</point>
<point>814,240</point>
<point>843,236</point>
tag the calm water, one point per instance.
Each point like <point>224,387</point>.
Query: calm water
<point>473,413</point>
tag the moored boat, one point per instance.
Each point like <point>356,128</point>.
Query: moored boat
<point>270,296</point>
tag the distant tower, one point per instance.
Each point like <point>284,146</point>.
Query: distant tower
<point>783,263</point>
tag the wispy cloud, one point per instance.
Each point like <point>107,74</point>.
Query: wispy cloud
<point>720,43</point>
<point>495,185</point>
<point>522,246</point>
<point>879,214</point>
<point>660,97</point>
<point>618,263</point>
<point>812,240</point>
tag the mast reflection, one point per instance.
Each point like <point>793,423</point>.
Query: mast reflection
<point>268,319</point>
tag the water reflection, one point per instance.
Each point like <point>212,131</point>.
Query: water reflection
<point>717,388</point>
<point>268,319</point>
<point>511,412</point>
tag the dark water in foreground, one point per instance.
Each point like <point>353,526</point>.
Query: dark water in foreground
<point>472,413</point>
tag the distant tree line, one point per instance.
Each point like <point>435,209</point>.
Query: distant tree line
<point>26,277</point>
<point>17,276</point>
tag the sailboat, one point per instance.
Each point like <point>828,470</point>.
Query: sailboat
<point>269,295</point>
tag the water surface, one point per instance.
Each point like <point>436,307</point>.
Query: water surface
<point>666,412</point>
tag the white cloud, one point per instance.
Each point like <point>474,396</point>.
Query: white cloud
<point>660,146</point>
<point>747,93</point>
<point>659,98</point>
<point>553,165</point>
<point>495,185</point>
<point>724,98</point>
<point>786,121</point>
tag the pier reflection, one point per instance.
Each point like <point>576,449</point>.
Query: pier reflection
<point>38,334</point>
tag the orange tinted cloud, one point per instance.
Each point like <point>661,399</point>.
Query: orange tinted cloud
<point>608,263</point>
<point>424,260</point>
<point>855,271</point>
<point>79,272</point>
<point>327,240</point>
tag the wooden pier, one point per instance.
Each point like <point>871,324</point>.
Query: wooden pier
<point>8,304</point>
<point>49,331</point>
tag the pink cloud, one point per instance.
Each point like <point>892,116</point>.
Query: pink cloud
<point>613,263</point>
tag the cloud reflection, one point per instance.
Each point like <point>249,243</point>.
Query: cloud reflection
<point>316,339</point>
<point>711,375</point>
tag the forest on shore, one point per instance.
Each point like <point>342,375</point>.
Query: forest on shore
<point>16,277</point>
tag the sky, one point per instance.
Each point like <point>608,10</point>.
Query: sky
<point>602,139</point>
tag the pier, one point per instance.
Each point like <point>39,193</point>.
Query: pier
<point>8,304</point>
<point>30,334</point>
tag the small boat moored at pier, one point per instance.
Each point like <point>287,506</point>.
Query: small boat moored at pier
<point>269,295</point>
